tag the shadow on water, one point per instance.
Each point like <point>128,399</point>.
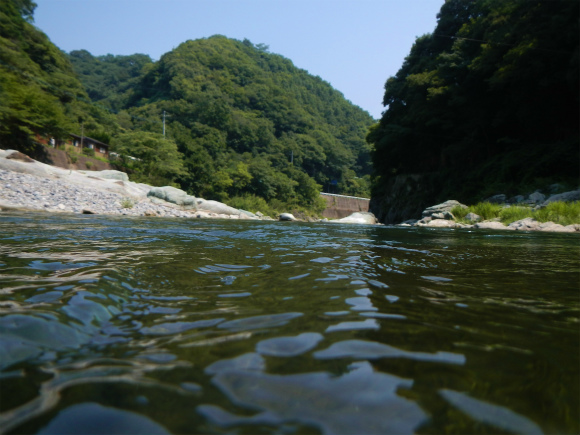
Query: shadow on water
<point>142,325</point>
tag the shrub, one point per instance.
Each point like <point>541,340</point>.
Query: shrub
<point>251,203</point>
<point>515,213</point>
<point>127,203</point>
<point>486,210</point>
<point>563,213</point>
<point>89,152</point>
<point>89,164</point>
<point>459,212</point>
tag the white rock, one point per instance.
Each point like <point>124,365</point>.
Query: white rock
<point>487,225</point>
<point>556,228</point>
<point>527,224</point>
<point>287,217</point>
<point>440,223</point>
<point>365,218</point>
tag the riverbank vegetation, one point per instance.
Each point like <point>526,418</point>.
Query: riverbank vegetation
<point>559,212</point>
<point>486,104</point>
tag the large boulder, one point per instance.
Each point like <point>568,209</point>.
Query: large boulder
<point>536,198</point>
<point>217,207</point>
<point>108,174</point>
<point>284,217</point>
<point>438,223</point>
<point>571,196</point>
<point>556,228</point>
<point>444,207</point>
<point>173,195</point>
<point>496,199</point>
<point>527,224</point>
<point>365,218</point>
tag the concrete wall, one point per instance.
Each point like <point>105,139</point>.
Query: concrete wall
<point>339,206</point>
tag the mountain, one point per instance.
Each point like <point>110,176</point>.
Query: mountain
<point>39,90</point>
<point>245,122</point>
<point>486,104</point>
<point>221,118</point>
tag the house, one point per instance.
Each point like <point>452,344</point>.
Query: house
<point>101,149</point>
<point>79,142</point>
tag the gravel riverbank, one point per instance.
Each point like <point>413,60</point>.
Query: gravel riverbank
<point>26,184</point>
<point>29,192</point>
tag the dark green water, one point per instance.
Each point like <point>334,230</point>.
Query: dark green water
<point>120,325</point>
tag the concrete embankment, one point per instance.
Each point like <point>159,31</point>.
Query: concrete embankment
<point>340,206</point>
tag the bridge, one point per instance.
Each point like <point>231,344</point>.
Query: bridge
<point>339,206</point>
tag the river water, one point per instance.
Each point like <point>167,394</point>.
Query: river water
<point>135,325</point>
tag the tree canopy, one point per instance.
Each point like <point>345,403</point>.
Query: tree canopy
<point>39,91</point>
<point>245,121</point>
<point>487,103</point>
<point>238,120</point>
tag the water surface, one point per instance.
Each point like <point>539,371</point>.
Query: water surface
<point>213,326</point>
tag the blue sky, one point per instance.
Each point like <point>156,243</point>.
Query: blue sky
<point>355,45</point>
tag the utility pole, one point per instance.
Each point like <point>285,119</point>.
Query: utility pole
<point>292,157</point>
<point>164,124</point>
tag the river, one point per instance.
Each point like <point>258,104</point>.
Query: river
<point>137,325</point>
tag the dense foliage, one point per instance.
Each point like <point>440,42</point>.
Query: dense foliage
<point>246,122</point>
<point>488,103</point>
<point>242,124</point>
<point>39,91</point>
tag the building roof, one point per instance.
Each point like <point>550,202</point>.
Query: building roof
<point>98,142</point>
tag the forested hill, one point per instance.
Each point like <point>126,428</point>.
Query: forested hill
<point>243,125</point>
<point>39,91</point>
<point>486,104</point>
<point>245,121</point>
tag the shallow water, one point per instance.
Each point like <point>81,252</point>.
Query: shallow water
<point>213,326</point>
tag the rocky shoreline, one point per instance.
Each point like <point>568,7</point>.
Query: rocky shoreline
<point>440,216</point>
<point>26,184</point>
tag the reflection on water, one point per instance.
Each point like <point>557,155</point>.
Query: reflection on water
<point>175,326</point>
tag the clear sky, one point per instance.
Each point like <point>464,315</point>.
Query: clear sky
<point>355,45</point>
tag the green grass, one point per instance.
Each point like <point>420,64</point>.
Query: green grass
<point>486,210</point>
<point>515,213</point>
<point>563,213</point>
<point>459,212</point>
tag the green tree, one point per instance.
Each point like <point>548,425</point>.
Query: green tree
<point>487,102</point>
<point>148,157</point>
